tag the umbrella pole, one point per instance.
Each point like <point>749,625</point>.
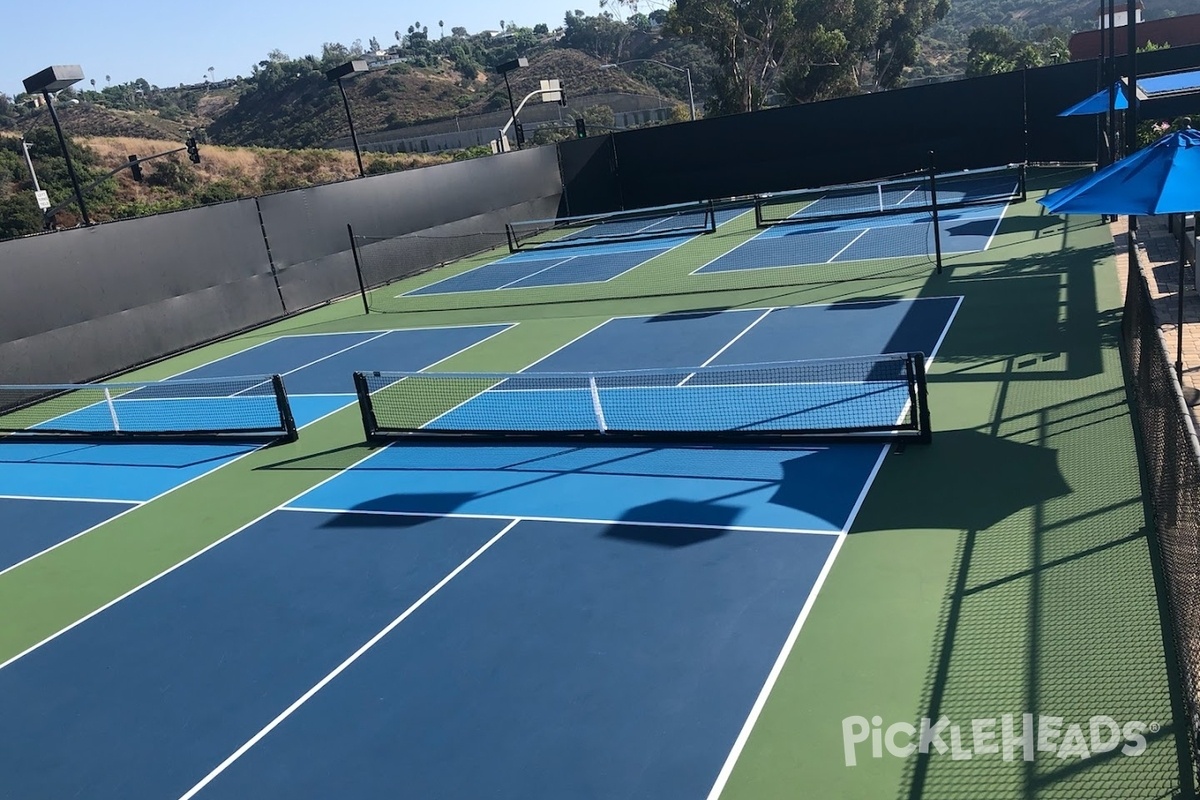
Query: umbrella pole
<point>1179,327</point>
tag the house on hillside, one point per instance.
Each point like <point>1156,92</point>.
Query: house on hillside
<point>1173,31</point>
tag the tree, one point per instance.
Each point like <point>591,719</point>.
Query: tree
<point>541,29</point>
<point>994,48</point>
<point>458,32</point>
<point>93,82</point>
<point>442,29</point>
<point>398,37</point>
<point>374,45</point>
<point>749,39</point>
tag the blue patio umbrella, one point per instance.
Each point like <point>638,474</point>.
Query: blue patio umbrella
<point>1098,103</point>
<point>1161,178</point>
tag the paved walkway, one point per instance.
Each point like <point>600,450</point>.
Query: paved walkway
<point>1160,258</point>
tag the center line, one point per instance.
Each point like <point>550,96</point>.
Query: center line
<point>344,665</point>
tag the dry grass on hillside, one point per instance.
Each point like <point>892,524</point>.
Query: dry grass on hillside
<point>254,169</point>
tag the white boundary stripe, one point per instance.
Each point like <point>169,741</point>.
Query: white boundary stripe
<point>727,345</point>
<point>374,640</point>
<point>566,520</point>
<point>538,272</point>
<point>849,244</point>
<point>995,228</point>
<point>68,499</point>
<point>141,503</point>
<point>970,213</point>
<point>484,391</point>
<point>761,701</point>
<point>190,558</point>
<point>510,285</point>
<point>328,414</point>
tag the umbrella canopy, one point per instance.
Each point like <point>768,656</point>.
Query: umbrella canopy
<point>1098,103</point>
<point>1162,178</point>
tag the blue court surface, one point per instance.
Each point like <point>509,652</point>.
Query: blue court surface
<point>592,263</point>
<point>508,621</point>
<point>964,230</point>
<point>316,369</point>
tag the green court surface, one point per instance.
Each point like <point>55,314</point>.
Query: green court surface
<point>1005,569</point>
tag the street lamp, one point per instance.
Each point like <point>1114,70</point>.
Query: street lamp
<point>504,69</point>
<point>55,79</point>
<point>350,68</point>
<point>685,70</point>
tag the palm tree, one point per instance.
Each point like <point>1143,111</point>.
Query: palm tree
<point>93,84</point>
<point>211,70</point>
<point>442,26</point>
<point>108,78</point>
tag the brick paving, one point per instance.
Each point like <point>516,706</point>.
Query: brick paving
<point>1160,260</point>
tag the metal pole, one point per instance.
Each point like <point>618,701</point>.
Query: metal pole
<point>691,100</point>
<point>353,136</point>
<point>29,163</point>
<point>62,140</point>
<point>1131,115</point>
<point>1179,327</point>
<point>1111,78</point>
<point>511,107</point>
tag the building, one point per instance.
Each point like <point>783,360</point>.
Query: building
<point>1173,31</point>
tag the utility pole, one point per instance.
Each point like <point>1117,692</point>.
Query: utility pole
<point>29,163</point>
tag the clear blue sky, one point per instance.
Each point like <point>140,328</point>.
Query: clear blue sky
<point>176,41</point>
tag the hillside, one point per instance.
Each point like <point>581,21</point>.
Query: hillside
<point>169,183</point>
<point>307,111</point>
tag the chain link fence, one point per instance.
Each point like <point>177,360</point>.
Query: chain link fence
<point>1171,456</point>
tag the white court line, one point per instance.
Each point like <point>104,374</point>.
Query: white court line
<point>848,246</point>
<point>760,702</point>
<point>727,345</point>
<point>140,503</point>
<point>764,694</point>
<point>68,499</point>
<point>509,286</point>
<point>179,564</point>
<point>538,272</point>
<point>481,392</point>
<point>209,472</point>
<point>340,668</point>
<point>995,229</point>
<point>571,520</point>
<point>316,361</point>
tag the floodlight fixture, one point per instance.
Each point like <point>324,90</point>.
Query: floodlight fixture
<point>55,79</point>
<point>349,69</point>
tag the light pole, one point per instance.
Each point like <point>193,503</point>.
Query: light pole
<point>336,74</point>
<point>54,79</point>
<point>685,70</point>
<point>504,69</point>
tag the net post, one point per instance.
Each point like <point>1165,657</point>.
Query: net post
<point>597,409</point>
<point>112,410</point>
<point>286,419</point>
<point>362,286</point>
<point>711,213</point>
<point>758,212</point>
<point>511,236</point>
<point>937,233</point>
<point>1022,177</point>
<point>364,406</point>
<point>916,367</point>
